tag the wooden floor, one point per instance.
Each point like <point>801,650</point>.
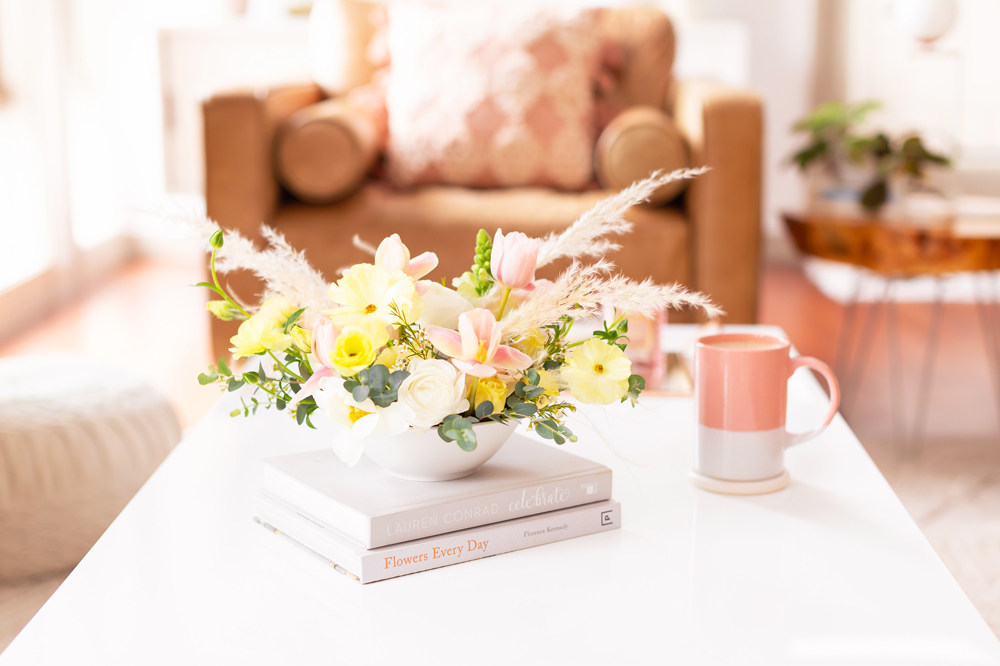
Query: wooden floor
<point>148,320</point>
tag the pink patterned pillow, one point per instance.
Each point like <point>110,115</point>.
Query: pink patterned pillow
<point>491,96</point>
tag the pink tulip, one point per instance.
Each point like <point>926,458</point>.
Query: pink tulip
<point>392,255</point>
<point>513,259</point>
<point>324,338</point>
<point>475,348</point>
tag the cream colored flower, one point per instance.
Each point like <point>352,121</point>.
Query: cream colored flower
<point>597,373</point>
<point>362,419</point>
<point>368,291</point>
<point>258,334</point>
<point>434,389</point>
<point>440,305</point>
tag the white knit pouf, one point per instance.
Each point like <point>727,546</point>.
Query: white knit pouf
<point>77,440</point>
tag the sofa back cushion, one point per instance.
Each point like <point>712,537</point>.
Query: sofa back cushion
<point>491,95</point>
<point>644,37</point>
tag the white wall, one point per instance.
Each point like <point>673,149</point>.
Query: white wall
<point>781,68</point>
<point>950,93</point>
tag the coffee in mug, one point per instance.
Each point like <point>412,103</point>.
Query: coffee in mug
<point>741,392</point>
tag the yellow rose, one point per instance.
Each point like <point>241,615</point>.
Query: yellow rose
<point>388,357</point>
<point>551,381</point>
<point>259,334</point>
<point>492,389</point>
<point>302,337</point>
<point>532,343</point>
<point>355,350</point>
<point>278,307</point>
<point>597,373</point>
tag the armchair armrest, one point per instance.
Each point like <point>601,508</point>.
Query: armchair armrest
<point>241,190</point>
<point>724,128</point>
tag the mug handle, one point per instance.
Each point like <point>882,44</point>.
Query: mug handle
<point>822,368</point>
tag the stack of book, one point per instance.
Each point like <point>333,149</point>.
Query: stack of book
<point>372,526</point>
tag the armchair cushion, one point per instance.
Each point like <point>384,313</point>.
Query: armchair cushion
<point>635,144</point>
<point>491,95</point>
<point>324,151</point>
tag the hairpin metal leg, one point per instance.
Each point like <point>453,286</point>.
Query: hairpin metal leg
<point>899,442</point>
<point>856,372</point>
<point>927,375</point>
<point>988,320</point>
<point>845,342</point>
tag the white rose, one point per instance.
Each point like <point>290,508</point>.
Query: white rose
<point>433,390</point>
<point>441,305</point>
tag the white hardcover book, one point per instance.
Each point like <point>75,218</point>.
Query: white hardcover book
<point>368,566</point>
<point>375,509</point>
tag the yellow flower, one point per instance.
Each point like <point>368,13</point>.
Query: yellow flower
<point>258,334</point>
<point>388,357</point>
<point>278,307</point>
<point>222,309</point>
<point>367,292</point>
<point>302,337</point>
<point>597,373</point>
<point>492,389</point>
<point>357,347</point>
<point>551,381</point>
<point>532,343</point>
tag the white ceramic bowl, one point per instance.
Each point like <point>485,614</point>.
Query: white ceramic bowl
<point>426,457</point>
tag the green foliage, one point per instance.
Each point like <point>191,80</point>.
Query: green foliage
<point>552,429</point>
<point>636,385</point>
<point>832,141</point>
<point>480,276</point>
<point>830,138</point>
<point>456,429</point>
<point>615,332</point>
<point>376,383</point>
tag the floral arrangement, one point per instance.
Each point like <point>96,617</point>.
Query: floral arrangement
<point>382,350</point>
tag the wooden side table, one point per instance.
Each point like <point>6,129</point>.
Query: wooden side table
<point>893,251</point>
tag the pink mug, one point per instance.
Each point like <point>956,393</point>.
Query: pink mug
<point>741,389</point>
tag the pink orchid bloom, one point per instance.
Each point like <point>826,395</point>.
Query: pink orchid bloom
<point>513,259</point>
<point>475,348</point>
<point>392,255</point>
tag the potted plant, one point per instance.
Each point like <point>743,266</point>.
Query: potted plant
<point>853,168</point>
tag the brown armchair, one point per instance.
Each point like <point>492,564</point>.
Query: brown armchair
<point>707,239</point>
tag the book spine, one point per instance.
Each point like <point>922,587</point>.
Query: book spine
<point>463,514</point>
<point>492,540</point>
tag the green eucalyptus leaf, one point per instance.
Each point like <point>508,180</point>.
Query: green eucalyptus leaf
<point>396,378</point>
<point>378,377</point>
<point>224,369</point>
<point>532,375</point>
<point>519,389</point>
<point>235,384</point>
<point>525,409</point>
<point>207,378</point>
<point>360,393</point>
<point>484,409</point>
<point>301,411</point>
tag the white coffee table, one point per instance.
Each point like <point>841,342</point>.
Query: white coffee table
<point>831,570</point>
